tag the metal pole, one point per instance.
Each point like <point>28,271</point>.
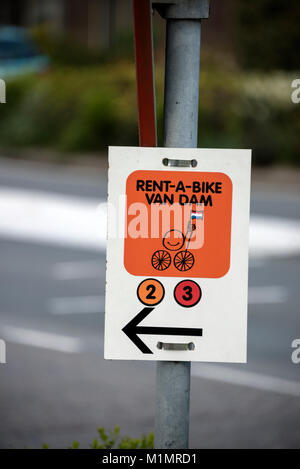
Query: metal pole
<point>182,83</point>
<point>180,130</point>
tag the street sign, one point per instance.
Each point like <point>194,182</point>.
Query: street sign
<point>177,254</point>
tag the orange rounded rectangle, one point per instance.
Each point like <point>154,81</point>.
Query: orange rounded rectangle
<point>178,224</point>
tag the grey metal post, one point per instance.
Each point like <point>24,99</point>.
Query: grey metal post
<point>182,83</point>
<point>180,130</point>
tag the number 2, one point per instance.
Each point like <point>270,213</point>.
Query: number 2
<point>150,295</point>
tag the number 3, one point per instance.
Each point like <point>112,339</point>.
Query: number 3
<point>189,293</point>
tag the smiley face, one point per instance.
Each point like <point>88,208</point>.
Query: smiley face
<point>173,240</point>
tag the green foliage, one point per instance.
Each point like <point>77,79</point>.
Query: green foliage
<point>112,439</point>
<point>268,34</point>
<point>75,445</point>
<point>239,110</point>
<point>72,110</point>
<point>89,108</point>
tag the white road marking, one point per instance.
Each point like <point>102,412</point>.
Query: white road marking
<point>265,295</point>
<point>61,343</point>
<point>51,218</point>
<point>246,378</point>
<point>77,270</point>
<point>77,305</point>
<point>273,236</point>
<point>46,340</point>
<point>78,222</point>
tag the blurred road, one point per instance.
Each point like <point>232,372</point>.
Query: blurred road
<point>57,388</point>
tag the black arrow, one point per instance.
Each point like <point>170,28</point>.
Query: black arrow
<point>133,328</point>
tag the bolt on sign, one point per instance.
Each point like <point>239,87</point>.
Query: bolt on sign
<point>177,254</point>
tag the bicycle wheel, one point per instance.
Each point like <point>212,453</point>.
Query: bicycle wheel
<point>161,260</point>
<point>184,260</point>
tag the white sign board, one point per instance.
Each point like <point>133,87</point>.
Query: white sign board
<point>177,254</point>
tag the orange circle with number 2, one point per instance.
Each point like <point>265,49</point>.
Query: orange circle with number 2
<point>150,292</point>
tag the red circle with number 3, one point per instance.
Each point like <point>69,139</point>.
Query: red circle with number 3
<point>187,293</point>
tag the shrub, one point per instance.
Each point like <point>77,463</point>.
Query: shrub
<point>250,111</point>
<point>112,439</point>
<point>89,108</point>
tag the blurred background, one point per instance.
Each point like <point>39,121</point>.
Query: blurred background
<point>71,92</point>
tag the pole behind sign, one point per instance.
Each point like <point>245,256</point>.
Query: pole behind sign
<point>180,130</point>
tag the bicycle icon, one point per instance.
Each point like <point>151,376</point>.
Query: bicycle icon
<point>174,240</point>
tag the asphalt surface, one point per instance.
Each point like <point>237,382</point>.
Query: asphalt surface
<point>56,386</point>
